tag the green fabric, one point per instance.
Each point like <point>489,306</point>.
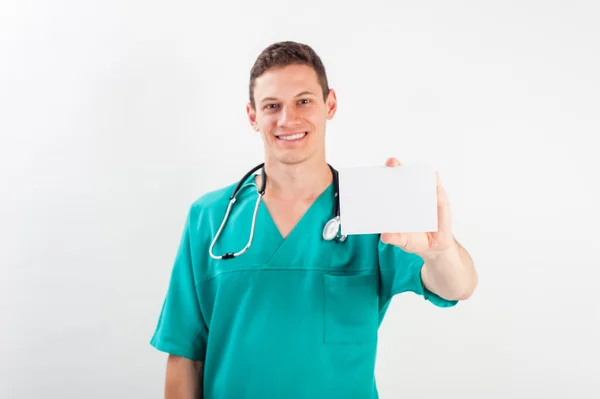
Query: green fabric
<point>290,318</point>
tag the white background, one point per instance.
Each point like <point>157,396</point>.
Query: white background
<point>113,115</point>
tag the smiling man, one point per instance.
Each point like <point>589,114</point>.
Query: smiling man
<point>293,315</point>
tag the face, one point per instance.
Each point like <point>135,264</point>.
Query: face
<point>291,114</point>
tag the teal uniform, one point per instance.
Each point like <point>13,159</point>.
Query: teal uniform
<point>290,318</point>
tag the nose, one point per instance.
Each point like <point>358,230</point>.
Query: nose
<point>288,117</point>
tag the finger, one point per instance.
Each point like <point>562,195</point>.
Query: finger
<point>438,180</point>
<point>444,216</point>
<point>392,162</point>
<point>397,239</point>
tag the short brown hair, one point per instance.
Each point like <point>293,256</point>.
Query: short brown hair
<point>286,53</point>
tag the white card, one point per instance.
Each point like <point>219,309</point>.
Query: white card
<point>382,199</point>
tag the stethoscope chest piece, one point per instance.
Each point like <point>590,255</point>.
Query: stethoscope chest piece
<point>331,229</point>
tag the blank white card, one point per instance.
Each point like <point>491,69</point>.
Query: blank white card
<point>381,199</point>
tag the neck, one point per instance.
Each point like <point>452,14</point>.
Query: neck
<point>303,181</point>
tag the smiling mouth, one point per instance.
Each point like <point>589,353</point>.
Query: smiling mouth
<point>292,137</point>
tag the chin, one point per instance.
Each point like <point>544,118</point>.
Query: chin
<point>291,153</point>
<point>292,160</point>
<point>291,157</point>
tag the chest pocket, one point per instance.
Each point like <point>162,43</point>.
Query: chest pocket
<point>351,309</point>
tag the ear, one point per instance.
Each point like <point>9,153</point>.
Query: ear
<point>331,104</point>
<point>252,116</point>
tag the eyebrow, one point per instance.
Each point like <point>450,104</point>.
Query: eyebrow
<point>297,95</point>
<point>304,93</point>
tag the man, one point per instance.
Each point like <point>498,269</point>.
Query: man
<point>294,316</point>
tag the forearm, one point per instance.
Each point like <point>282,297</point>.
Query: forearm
<point>450,273</point>
<point>183,379</point>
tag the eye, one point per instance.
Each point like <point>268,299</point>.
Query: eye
<point>305,101</point>
<point>270,106</point>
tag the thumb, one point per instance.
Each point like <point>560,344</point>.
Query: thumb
<point>397,239</point>
<point>386,238</point>
<point>391,162</point>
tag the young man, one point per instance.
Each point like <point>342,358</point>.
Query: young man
<point>295,315</point>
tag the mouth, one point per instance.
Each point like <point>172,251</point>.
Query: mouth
<point>292,137</point>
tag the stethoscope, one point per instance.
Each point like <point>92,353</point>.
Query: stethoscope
<point>331,231</point>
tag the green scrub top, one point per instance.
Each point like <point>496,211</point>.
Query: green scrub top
<point>290,318</point>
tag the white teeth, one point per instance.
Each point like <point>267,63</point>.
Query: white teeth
<point>293,136</point>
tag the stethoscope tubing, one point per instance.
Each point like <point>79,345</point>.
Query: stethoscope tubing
<point>327,235</point>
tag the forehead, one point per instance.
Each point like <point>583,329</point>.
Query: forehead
<point>286,82</point>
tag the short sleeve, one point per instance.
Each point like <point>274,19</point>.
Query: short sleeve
<point>400,271</point>
<point>181,328</point>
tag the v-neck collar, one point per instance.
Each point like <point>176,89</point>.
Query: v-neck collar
<point>280,245</point>
<point>318,203</point>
